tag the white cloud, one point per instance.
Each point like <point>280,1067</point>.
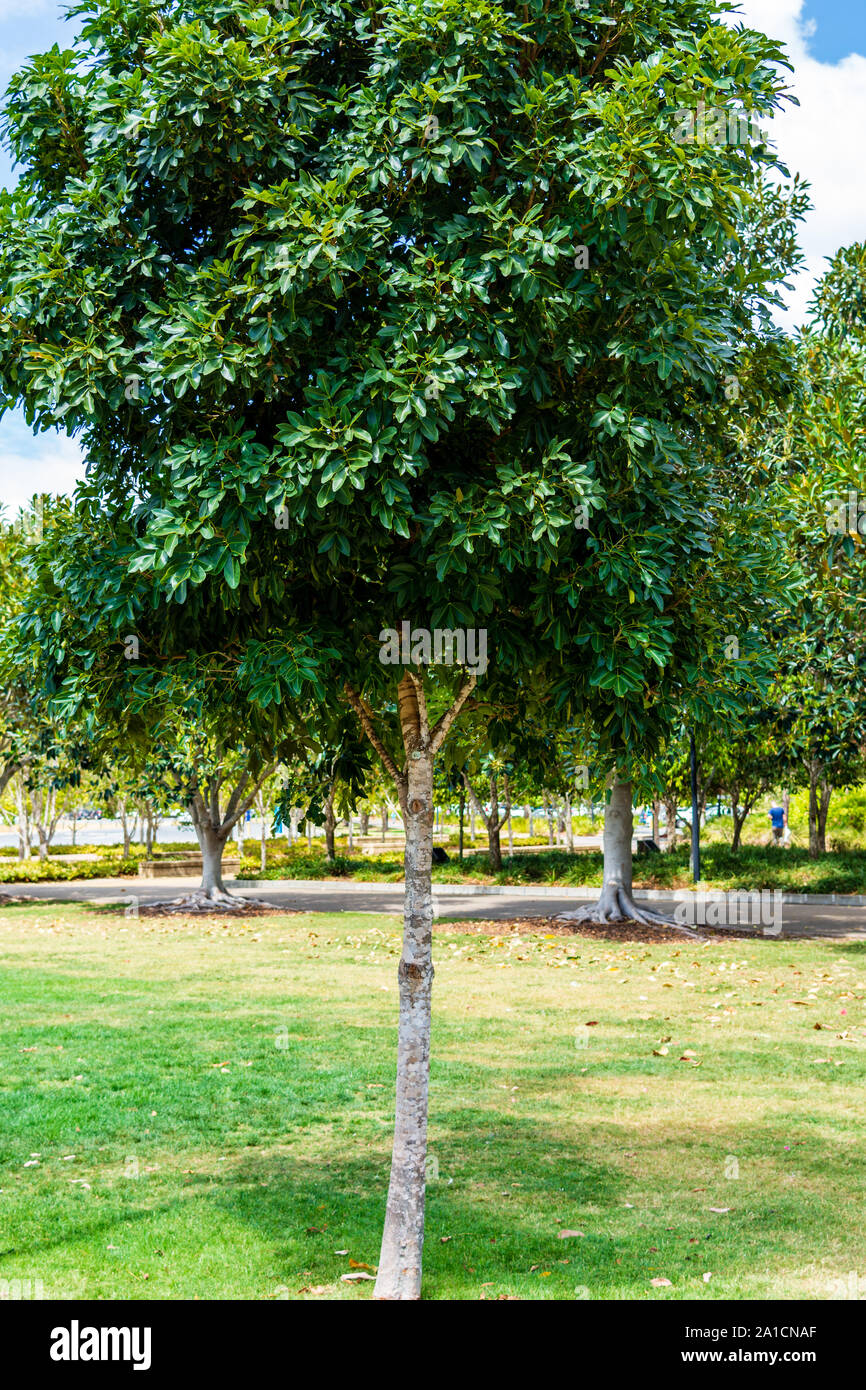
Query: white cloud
<point>52,463</point>
<point>822,138</point>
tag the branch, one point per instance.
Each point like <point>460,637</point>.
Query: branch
<point>474,799</point>
<point>423,721</point>
<point>232,803</point>
<point>248,800</point>
<point>440,730</point>
<point>506,813</point>
<point>214,789</point>
<point>199,812</point>
<point>6,776</point>
<point>366,719</point>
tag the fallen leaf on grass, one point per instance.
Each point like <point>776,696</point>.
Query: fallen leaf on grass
<point>359,1264</point>
<point>660,1052</point>
<point>564,1235</point>
<point>719,1210</point>
<point>706,1277</point>
<point>350,1278</point>
<point>661,1283</point>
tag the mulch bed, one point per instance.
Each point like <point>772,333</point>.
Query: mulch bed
<point>608,931</point>
<point>218,910</point>
<point>501,926</point>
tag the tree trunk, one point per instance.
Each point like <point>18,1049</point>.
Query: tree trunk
<point>819,804</point>
<point>399,1275</point>
<point>494,844</point>
<point>656,832</point>
<point>212,846</point>
<point>739,819</point>
<point>330,826</point>
<point>670,805</point>
<point>365,823</point>
<point>616,903</point>
<point>548,806</point>
<point>825,792</point>
<point>22,822</point>
<point>492,820</point>
<point>569,825</point>
<point>618,825</point>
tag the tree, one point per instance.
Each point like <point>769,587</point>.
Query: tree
<point>811,447</point>
<point>741,765</point>
<point>357,311</point>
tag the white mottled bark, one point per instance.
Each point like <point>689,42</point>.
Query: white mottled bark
<point>399,1274</point>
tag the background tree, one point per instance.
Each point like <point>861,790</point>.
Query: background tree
<point>810,446</point>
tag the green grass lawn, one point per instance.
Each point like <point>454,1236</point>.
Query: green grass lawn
<point>194,1109</point>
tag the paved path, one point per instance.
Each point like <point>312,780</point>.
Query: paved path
<point>798,919</point>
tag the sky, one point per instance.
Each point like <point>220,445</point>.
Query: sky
<point>823,139</point>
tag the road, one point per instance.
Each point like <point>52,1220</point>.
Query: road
<point>818,920</point>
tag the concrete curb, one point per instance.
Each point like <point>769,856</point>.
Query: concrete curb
<point>472,890</point>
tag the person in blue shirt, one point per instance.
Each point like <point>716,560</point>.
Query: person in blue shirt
<point>777,820</point>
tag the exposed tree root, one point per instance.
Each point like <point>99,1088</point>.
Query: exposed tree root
<point>616,904</point>
<point>218,900</point>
